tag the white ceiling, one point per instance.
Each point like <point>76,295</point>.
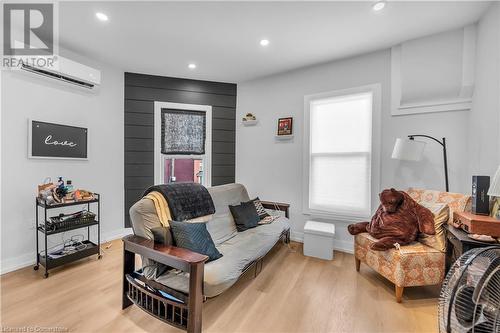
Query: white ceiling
<point>222,38</point>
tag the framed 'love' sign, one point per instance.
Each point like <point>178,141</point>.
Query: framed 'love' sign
<point>49,140</point>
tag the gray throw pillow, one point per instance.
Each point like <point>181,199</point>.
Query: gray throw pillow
<point>194,237</point>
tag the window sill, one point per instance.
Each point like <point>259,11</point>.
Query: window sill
<point>337,217</point>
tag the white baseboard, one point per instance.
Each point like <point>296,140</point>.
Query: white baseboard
<point>343,246</point>
<point>297,236</point>
<point>16,263</point>
<point>115,234</point>
<point>338,244</point>
<point>29,259</point>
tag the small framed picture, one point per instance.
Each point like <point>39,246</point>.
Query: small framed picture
<point>285,126</point>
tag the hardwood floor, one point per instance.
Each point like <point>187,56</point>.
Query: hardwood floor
<point>293,293</point>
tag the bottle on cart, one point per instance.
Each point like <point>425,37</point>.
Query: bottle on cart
<point>69,186</point>
<point>61,189</point>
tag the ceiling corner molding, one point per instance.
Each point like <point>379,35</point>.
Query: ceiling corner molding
<point>463,99</point>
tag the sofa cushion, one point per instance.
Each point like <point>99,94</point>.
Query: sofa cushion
<point>194,237</point>
<point>238,252</point>
<point>201,219</point>
<point>245,215</point>
<point>143,218</point>
<point>441,214</point>
<point>221,227</point>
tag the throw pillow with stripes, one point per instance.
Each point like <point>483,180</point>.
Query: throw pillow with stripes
<point>260,209</point>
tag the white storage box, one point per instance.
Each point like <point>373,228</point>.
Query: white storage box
<point>318,239</point>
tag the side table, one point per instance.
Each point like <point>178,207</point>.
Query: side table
<point>457,243</point>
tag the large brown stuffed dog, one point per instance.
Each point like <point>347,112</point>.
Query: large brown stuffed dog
<point>398,219</point>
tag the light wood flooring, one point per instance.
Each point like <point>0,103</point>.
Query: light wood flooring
<point>293,293</point>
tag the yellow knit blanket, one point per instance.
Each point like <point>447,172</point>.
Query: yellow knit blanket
<point>161,207</point>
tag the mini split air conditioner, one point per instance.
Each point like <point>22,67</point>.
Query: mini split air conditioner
<point>67,71</point>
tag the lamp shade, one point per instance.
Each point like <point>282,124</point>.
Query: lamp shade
<point>408,150</point>
<point>494,190</point>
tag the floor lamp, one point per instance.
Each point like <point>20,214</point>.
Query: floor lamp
<point>411,150</point>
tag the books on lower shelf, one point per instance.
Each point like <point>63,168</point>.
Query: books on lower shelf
<point>66,249</point>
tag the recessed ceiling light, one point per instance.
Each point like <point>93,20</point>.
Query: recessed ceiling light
<point>379,5</point>
<point>264,42</point>
<point>101,16</point>
<point>192,66</point>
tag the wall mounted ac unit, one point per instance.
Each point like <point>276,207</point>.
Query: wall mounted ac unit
<point>69,71</point>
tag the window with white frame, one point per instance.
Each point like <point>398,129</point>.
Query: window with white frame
<point>339,153</point>
<point>182,144</point>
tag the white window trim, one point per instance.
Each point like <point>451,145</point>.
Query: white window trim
<point>375,89</point>
<point>207,169</point>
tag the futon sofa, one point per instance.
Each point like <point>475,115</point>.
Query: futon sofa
<point>415,264</point>
<point>176,295</point>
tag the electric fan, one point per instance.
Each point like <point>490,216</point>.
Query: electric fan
<point>470,296</point>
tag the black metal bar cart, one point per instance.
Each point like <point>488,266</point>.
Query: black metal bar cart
<point>42,227</point>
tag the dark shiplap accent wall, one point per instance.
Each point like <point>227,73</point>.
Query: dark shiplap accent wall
<point>141,91</point>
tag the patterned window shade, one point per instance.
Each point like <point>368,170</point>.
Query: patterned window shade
<point>183,132</point>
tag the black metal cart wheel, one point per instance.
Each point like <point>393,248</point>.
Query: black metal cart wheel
<point>46,275</point>
<point>99,256</point>
<point>35,267</point>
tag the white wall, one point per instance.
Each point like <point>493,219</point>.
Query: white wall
<point>273,169</point>
<point>484,144</point>
<point>25,96</point>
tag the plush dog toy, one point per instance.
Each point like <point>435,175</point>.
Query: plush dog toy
<point>398,219</point>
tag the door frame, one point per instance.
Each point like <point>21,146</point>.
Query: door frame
<point>158,106</point>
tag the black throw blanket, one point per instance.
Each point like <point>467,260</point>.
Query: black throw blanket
<point>185,200</point>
